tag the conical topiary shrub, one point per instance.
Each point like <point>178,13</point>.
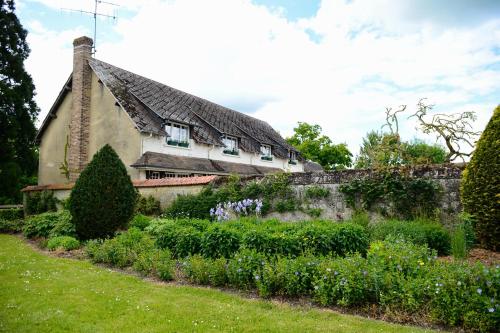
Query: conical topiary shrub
<point>481,185</point>
<point>103,198</point>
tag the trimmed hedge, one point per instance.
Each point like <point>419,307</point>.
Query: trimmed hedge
<point>432,234</point>
<point>480,186</point>
<point>11,214</point>
<point>270,237</point>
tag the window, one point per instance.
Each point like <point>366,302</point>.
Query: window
<point>266,153</point>
<point>231,144</point>
<point>292,157</point>
<point>178,134</point>
<point>155,175</point>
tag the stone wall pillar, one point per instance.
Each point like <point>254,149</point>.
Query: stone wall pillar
<point>80,112</point>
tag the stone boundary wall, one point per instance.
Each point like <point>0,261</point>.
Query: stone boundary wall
<point>335,207</point>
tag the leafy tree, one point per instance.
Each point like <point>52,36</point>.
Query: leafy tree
<point>385,149</point>
<point>481,185</point>
<point>319,148</point>
<point>18,111</point>
<point>103,198</point>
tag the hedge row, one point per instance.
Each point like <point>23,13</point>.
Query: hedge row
<point>213,240</point>
<point>11,214</point>
<point>397,275</point>
<point>434,235</point>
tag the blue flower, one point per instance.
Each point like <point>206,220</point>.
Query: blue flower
<point>479,291</point>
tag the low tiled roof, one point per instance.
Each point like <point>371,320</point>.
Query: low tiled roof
<point>187,181</point>
<point>310,166</point>
<point>201,180</point>
<point>150,104</point>
<point>201,165</point>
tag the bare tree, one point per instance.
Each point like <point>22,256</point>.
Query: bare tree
<point>455,129</point>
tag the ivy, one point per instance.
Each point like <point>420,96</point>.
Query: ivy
<point>407,197</point>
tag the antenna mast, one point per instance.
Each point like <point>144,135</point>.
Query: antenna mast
<point>95,14</point>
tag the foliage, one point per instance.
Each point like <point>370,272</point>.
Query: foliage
<point>459,248</point>
<point>434,235</point>
<point>187,237</point>
<point>110,297</point>
<point>480,186</point>
<point>103,198</point>
<point>270,192</point>
<point>380,149</point>
<point>11,214</point>
<point>148,206</point>
<point>317,192</point>
<point>408,197</point>
<point>140,221</point>
<point>243,268</point>
<point>18,110</point>
<point>66,243</point>
<point>11,226</point>
<point>49,225</point>
<point>319,148</point>
<point>41,202</point>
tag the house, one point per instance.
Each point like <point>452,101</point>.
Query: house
<point>158,131</point>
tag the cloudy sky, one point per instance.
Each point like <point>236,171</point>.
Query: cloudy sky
<point>336,63</point>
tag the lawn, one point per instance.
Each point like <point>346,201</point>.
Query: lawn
<point>40,293</point>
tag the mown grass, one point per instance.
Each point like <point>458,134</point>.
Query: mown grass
<point>45,294</point>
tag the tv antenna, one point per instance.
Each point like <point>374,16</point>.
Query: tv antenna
<point>95,14</point>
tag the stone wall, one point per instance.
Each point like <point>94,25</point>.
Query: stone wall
<point>335,207</point>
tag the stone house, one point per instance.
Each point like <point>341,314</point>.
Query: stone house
<point>158,131</point>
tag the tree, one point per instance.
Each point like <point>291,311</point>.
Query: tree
<point>307,139</point>
<point>454,129</point>
<point>103,198</point>
<point>18,110</point>
<point>385,149</point>
<point>481,185</point>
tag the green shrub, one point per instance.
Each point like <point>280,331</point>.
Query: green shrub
<point>11,226</point>
<point>103,198</point>
<point>480,186</point>
<point>219,241</point>
<point>197,269</point>
<point>317,192</point>
<point>11,214</point>
<point>244,268</point>
<point>121,251</point>
<point>360,217</point>
<point>49,225</point>
<point>140,221</point>
<point>40,202</point>
<point>66,243</point>
<point>432,234</point>
<point>155,262</point>
<point>288,276</point>
<point>459,243</point>
<point>286,205</point>
<point>148,206</point>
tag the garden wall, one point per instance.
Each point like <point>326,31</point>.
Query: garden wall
<point>335,206</point>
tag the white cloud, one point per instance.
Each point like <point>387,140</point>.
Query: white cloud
<point>368,58</point>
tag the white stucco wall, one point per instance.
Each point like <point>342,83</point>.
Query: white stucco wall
<point>158,144</point>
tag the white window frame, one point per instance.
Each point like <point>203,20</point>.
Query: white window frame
<point>178,135</point>
<point>292,156</point>
<point>230,143</point>
<point>266,151</point>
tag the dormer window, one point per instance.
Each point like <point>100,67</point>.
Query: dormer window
<point>292,157</point>
<point>231,144</point>
<point>266,153</point>
<point>178,135</point>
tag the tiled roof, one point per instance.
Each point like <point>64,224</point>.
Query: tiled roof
<point>150,104</point>
<point>202,180</point>
<point>310,166</point>
<point>202,165</point>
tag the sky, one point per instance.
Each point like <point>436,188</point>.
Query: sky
<point>336,63</point>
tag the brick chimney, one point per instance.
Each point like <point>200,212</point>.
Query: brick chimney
<point>80,112</point>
